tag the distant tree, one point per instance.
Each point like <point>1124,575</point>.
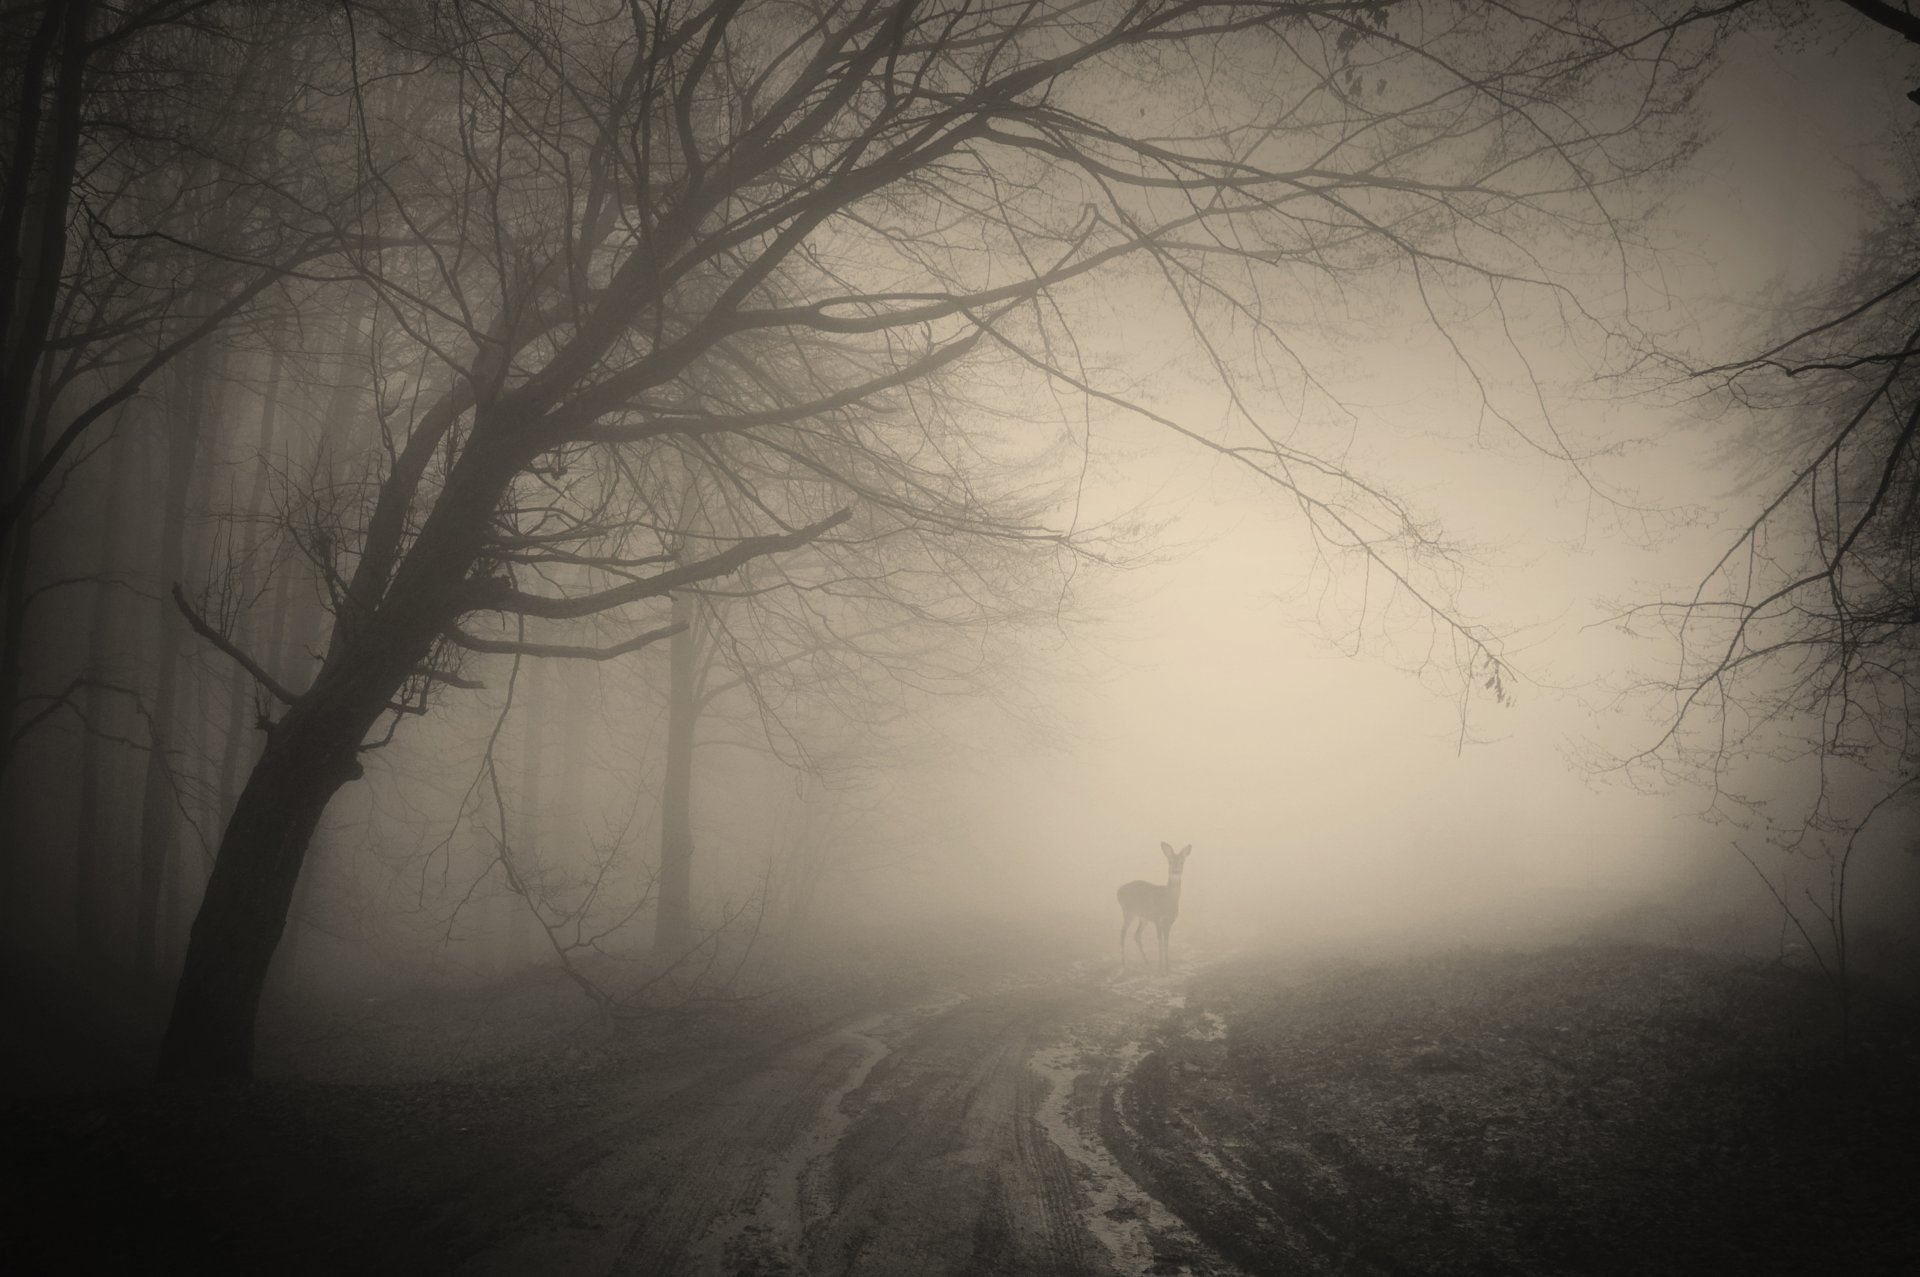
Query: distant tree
<point>850,629</point>
<point>1799,651</point>
<point>146,204</point>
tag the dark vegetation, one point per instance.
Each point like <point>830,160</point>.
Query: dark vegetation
<point>422,1102</point>
<point>377,1124</point>
<point>1581,1110</point>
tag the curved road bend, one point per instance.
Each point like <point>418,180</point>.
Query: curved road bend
<point>957,1136</point>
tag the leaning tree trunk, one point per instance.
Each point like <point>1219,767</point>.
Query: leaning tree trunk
<point>673,921</point>
<point>386,626</point>
<point>309,755</point>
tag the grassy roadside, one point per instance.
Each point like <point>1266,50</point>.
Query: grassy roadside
<point>1584,1110</point>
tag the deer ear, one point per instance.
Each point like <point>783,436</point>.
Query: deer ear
<point>1167,847</point>
<point>1186,850</point>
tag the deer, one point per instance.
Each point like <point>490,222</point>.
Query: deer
<point>1144,902</point>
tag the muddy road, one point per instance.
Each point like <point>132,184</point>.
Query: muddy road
<point>961,1134</point>
<point>1575,1110</point>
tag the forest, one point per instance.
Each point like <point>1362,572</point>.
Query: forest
<point>553,541</point>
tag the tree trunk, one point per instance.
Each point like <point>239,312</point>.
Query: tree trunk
<point>38,186</point>
<point>387,625</point>
<point>808,869</point>
<point>673,924</point>
<point>159,826</point>
<point>293,957</point>
<point>575,702</point>
<point>297,629</point>
<point>97,756</point>
<point>309,756</point>
<point>34,195</point>
<point>525,844</point>
<point>13,630</point>
<point>238,738</point>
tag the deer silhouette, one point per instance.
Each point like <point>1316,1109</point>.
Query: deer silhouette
<point>1144,902</point>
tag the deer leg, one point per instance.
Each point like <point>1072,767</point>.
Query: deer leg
<point>1125,918</point>
<point>1140,942</point>
<point>1163,928</point>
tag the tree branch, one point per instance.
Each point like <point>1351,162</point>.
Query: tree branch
<point>451,680</point>
<point>227,645</point>
<point>1895,20</point>
<point>495,597</point>
<point>559,651</point>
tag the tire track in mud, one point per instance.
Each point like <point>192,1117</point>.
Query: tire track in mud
<point>726,1172</point>
<point>638,1193</point>
<point>944,1168</point>
<point>494,1209</point>
<point>765,1228</point>
<point>961,1135</point>
<point>1088,1072</point>
<point>977,1148</point>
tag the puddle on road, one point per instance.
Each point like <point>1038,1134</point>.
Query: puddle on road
<point>1122,1216</point>
<point>1139,1235</point>
<point>771,1234</point>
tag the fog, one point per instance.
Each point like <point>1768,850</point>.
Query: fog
<point>1209,674</point>
<point>1117,637</point>
<point>1332,795</point>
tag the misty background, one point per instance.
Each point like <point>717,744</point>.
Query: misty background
<point>1207,671</point>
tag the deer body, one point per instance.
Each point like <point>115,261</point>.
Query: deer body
<point>1144,902</point>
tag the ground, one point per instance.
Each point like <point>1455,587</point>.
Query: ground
<point>1582,1110</point>
<point>1578,1110</point>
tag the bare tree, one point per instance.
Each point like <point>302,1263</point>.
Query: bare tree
<point>1796,652</point>
<point>582,223</point>
<point>148,205</point>
<point>845,629</point>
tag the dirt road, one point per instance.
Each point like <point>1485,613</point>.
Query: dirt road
<point>960,1135</point>
<point>1632,1111</point>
